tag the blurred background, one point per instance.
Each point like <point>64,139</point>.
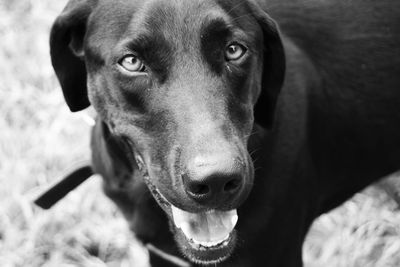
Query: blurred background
<point>40,140</point>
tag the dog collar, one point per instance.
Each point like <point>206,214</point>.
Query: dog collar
<point>69,182</point>
<point>62,187</point>
<point>167,257</point>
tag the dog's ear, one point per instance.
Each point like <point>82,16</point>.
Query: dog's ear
<point>66,49</point>
<point>273,68</point>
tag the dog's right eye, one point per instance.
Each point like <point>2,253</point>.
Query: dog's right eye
<point>132,63</point>
<point>234,51</point>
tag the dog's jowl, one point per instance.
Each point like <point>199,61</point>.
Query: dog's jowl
<point>225,127</point>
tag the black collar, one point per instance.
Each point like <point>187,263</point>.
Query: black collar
<point>66,184</point>
<point>167,257</point>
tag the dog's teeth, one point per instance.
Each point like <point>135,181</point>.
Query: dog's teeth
<point>208,228</point>
<point>211,244</point>
<point>234,219</point>
<point>207,244</point>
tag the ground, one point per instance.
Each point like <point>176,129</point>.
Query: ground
<point>40,140</point>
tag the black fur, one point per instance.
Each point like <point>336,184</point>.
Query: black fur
<point>316,103</point>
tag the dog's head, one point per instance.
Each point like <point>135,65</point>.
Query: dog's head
<point>180,82</point>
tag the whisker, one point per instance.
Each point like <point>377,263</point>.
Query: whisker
<point>241,16</point>
<point>252,133</point>
<point>257,168</point>
<point>255,160</point>
<point>234,7</point>
<point>251,153</point>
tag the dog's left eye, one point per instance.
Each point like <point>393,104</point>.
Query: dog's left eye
<point>234,51</point>
<point>132,63</point>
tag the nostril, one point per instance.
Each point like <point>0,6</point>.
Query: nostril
<point>232,185</point>
<point>199,189</point>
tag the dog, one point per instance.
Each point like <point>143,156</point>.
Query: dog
<point>225,127</point>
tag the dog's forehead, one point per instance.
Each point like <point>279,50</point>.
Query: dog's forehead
<point>178,21</point>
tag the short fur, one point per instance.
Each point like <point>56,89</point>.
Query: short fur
<point>322,79</point>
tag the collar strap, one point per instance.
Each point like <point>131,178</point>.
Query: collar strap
<point>167,257</point>
<point>62,187</point>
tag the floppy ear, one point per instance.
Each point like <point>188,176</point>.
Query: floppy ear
<point>273,68</point>
<point>66,49</point>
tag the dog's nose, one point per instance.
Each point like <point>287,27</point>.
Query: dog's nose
<point>213,179</point>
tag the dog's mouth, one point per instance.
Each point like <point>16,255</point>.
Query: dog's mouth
<point>206,237</point>
<point>206,229</point>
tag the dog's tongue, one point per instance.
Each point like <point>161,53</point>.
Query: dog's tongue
<point>209,228</point>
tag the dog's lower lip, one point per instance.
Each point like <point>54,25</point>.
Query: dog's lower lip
<point>206,255</point>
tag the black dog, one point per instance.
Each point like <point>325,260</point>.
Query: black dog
<point>209,108</point>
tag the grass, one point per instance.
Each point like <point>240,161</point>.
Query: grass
<point>40,139</point>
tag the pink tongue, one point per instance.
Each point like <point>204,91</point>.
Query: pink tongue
<point>209,227</point>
